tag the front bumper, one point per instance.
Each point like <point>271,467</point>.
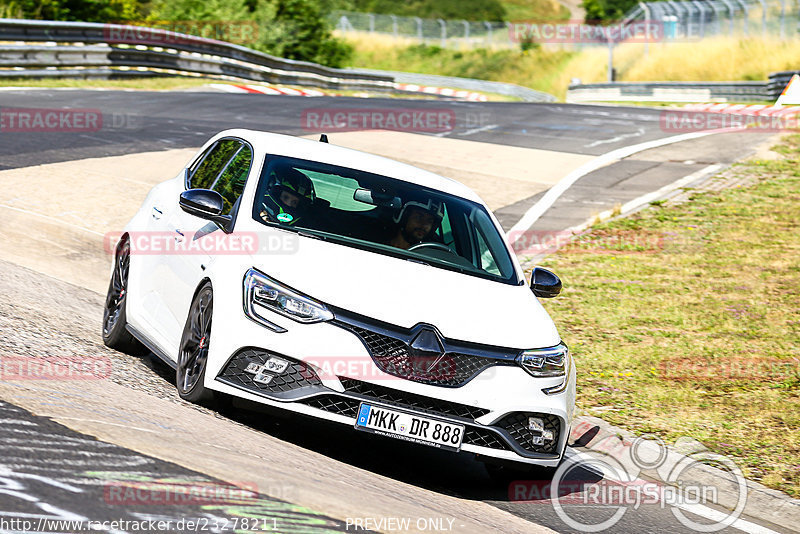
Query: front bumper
<point>493,404</point>
<point>487,432</point>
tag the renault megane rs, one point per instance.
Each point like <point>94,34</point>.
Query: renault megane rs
<point>348,287</point>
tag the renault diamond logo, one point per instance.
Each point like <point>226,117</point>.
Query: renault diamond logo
<point>427,344</point>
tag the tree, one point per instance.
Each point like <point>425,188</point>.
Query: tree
<point>607,10</point>
<point>72,10</point>
<point>294,29</point>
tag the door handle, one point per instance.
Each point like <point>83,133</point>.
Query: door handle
<point>178,236</point>
<point>157,213</point>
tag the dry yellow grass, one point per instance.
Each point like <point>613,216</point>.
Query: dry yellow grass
<point>551,67</point>
<point>719,59</point>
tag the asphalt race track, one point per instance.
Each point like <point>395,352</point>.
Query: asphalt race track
<point>145,434</point>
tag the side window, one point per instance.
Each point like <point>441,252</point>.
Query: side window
<point>490,246</point>
<point>231,182</point>
<point>212,164</point>
<point>485,255</point>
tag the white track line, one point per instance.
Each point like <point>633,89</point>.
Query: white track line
<point>549,198</point>
<point>631,205</point>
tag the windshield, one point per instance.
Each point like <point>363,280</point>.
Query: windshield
<point>382,215</point>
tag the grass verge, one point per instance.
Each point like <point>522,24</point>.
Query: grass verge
<point>684,319</point>
<point>550,68</point>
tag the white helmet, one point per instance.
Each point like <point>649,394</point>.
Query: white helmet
<point>433,207</point>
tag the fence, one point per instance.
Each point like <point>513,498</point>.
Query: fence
<point>677,20</point>
<point>697,19</point>
<point>440,32</point>
<point>89,50</point>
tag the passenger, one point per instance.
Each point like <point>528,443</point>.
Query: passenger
<point>416,223</point>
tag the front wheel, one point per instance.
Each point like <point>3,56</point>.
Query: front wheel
<point>115,335</point>
<point>193,355</point>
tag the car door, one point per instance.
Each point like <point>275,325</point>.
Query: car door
<point>197,239</point>
<point>152,241</point>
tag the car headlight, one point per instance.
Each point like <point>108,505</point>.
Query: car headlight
<point>543,363</point>
<point>261,291</point>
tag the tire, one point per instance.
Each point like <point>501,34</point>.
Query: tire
<point>193,351</point>
<point>115,335</point>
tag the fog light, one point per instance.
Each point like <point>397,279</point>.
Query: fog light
<point>535,424</point>
<point>540,435</point>
<point>276,365</point>
<point>263,378</point>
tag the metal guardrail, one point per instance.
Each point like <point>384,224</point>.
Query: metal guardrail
<point>675,91</point>
<point>778,81</point>
<point>508,89</point>
<point>78,49</point>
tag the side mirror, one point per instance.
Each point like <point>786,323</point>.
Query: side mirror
<point>545,284</point>
<point>204,203</point>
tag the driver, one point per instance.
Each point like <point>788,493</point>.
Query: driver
<point>416,223</point>
<point>290,196</point>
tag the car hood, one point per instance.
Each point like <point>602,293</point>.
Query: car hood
<point>405,293</point>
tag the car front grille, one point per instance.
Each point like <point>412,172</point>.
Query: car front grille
<point>512,430</point>
<point>296,379</point>
<point>348,406</point>
<point>390,349</point>
<point>483,437</point>
<point>337,404</point>
<point>418,403</point>
<point>516,424</point>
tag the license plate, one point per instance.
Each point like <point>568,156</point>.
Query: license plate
<point>409,427</point>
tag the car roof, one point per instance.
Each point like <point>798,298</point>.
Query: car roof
<point>297,147</point>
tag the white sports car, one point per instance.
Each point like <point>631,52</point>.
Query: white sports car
<point>348,287</point>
